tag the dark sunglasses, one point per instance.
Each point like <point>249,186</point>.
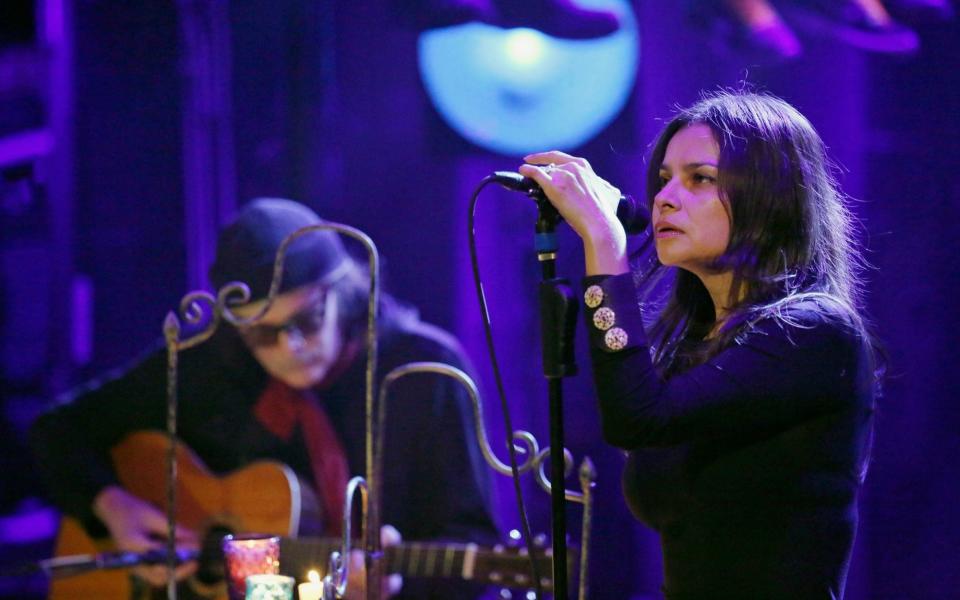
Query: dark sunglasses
<point>306,322</point>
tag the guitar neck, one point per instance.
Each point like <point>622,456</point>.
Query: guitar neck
<point>420,560</point>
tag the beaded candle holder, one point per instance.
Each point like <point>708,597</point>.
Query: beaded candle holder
<point>246,555</point>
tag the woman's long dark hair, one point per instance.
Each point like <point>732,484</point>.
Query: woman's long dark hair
<point>791,235</point>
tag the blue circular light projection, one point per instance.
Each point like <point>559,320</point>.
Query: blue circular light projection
<point>516,91</point>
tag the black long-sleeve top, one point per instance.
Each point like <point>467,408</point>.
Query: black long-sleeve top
<point>747,465</point>
<point>436,485</point>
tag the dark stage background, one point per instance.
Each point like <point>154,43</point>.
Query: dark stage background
<point>102,231</point>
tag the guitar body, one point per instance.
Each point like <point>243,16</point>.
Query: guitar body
<point>264,497</point>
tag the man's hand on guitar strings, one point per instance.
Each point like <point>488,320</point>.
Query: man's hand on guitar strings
<point>138,526</point>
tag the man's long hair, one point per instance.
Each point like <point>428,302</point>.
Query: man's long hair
<point>352,293</point>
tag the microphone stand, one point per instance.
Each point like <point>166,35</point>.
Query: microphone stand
<point>558,314</point>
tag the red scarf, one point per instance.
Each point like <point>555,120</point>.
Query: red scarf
<point>279,409</point>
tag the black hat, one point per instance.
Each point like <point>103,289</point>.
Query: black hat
<point>247,248</point>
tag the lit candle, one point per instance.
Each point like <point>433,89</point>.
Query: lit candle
<point>311,590</point>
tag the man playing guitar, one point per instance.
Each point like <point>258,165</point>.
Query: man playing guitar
<point>289,389</point>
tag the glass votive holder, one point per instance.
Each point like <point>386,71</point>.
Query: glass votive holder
<point>269,587</point>
<point>245,555</point>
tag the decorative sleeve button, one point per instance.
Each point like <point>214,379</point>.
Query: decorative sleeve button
<point>604,319</point>
<point>612,315</point>
<point>593,296</point>
<point>615,339</point>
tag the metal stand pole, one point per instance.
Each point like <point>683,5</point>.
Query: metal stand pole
<point>557,322</point>
<point>557,491</point>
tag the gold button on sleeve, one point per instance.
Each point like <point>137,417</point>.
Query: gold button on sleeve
<point>593,296</point>
<point>616,339</point>
<point>604,318</point>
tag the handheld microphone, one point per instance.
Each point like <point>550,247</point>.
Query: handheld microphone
<point>631,213</point>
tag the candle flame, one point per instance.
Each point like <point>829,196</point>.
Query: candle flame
<point>313,576</point>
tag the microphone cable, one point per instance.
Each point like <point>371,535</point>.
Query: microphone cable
<point>488,333</point>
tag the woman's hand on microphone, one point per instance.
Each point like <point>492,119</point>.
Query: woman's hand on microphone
<point>587,202</point>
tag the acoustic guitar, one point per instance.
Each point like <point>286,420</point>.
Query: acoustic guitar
<point>263,497</point>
